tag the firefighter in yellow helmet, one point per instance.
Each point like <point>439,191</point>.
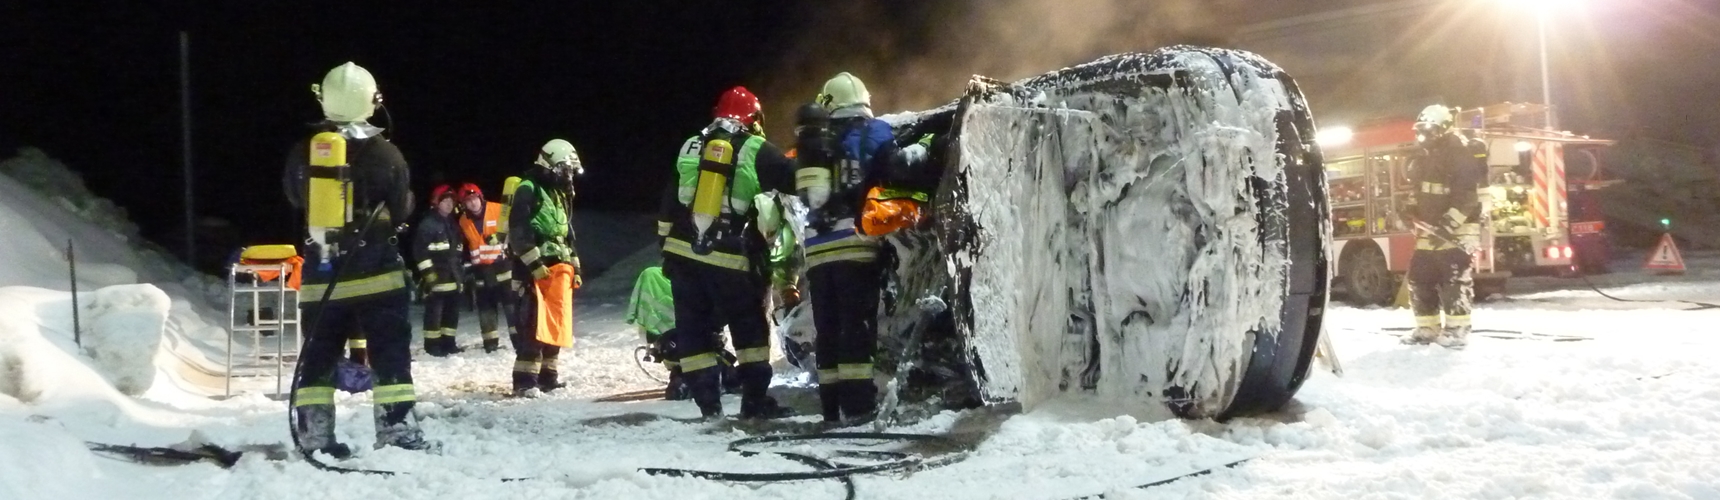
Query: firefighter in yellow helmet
<point>841,166</point>
<point>354,277</point>
<point>1445,172</point>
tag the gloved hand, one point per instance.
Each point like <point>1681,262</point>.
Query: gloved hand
<point>788,297</point>
<point>539,271</point>
<point>578,282</point>
<point>426,279</point>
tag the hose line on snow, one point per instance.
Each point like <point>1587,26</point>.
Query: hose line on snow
<point>1699,305</point>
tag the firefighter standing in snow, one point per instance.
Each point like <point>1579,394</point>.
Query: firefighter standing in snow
<point>713,255</point>
<point>835,175</point>
<point>1445,173</point>
<point>540,235</point>
<point>369,294</point>
<point>437,246</point>
<point>481,227</point>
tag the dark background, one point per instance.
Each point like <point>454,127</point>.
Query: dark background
<point>473,88</point>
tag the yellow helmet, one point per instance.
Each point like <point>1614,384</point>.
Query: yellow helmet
<point>845,96</point>
<point>348,94</point>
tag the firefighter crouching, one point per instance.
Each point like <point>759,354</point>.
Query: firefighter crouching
<point>437,246</point>
<point>540,236</point>
<point>710,249</point>
<point>1445,173</point>
<point>353,190</point>
<point>490,274</point>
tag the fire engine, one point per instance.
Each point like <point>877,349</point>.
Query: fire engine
<point>1530,224</point>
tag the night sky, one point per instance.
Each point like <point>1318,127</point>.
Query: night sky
<point>473,88</point>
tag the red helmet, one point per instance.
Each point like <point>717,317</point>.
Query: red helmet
<point>441,191</point>
<point>469,190</point>
<point>739,104</point>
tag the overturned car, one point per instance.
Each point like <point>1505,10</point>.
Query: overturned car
<point>1147,228</point>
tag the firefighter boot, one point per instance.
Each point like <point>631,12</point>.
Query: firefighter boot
<point>755,403</point>
<point>404,432</point>
<point>548,380</point>
<point>315,429</point>
<point>526,379</point>
<point>1454,337</point>
<point>492,343</point>
<point>859,400</point>
<point>1421,335</point>
<point>450,345</point>
<point>433,343</point>
<point>703,385</point>
<point>830,397</point>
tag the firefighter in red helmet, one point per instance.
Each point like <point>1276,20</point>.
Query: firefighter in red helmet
<point>437,247</point>
<point>714,255</point>
<point>481,226</point>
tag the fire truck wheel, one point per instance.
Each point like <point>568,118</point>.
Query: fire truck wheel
<point>1366,278</point>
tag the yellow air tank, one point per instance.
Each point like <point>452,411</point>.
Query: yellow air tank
<point>715,167</point>
<point>328,206</point>
<point>508,187</point>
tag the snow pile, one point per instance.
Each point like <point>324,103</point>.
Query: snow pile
<point>1123,243</point>
<point>122,329</point>
<point>47,204</point>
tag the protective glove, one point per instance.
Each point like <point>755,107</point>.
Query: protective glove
<point>427,279</point>
<point>788,297</point>
<point>578,282</point>
<point>539,271</point>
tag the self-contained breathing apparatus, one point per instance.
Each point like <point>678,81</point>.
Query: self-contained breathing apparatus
<point>714,206</point>
<point>328,207</point>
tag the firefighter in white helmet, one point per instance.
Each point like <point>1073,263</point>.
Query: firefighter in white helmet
<point>1445,174</point>
<point>354,279</point>
<point>541,239</point>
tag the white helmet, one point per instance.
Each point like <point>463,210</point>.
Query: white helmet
<point>1433,122</point>
<point>348,94</point>
<point>558,154</point>
<point>846,96</point>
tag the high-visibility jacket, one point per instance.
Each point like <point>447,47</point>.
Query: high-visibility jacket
<point>486,243</point>
<point>652,305</point>
<point>540,230</point>
<point>759,167</point>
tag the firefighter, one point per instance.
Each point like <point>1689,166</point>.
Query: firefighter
<point>839,162</point>
<point>437,246</point>
<point>540,237</point>
<point>1445,174</point>
<point>489,273</point>
<point>713,254</point>
<point>652,309</point>
<point>354,263</point>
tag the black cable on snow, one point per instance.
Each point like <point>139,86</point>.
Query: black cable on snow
<point>640,361</point>
<point>1699,305</point>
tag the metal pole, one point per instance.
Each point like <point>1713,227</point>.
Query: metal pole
<point>77,323</point>
<point>185,139</point>
<point>1546,88</point>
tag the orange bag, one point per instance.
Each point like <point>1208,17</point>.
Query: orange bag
<point>298,264</point>
<point>887,211</point>
<point>555,306</point>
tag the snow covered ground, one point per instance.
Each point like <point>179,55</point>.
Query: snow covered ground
<point>1586,398</point>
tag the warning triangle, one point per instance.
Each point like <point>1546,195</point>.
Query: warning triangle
<point>1665,257</point>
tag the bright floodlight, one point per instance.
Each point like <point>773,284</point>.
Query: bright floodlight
<point>1524,146</point>
<point>1334,136</point>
